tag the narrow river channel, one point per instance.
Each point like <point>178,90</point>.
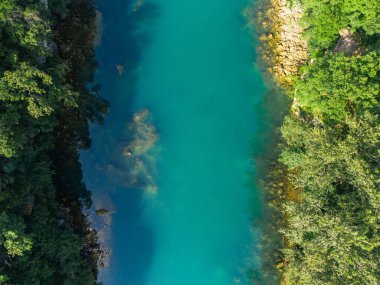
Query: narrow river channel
<point>186,218</point>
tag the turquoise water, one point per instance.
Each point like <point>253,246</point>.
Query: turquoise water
<point>191,64</point>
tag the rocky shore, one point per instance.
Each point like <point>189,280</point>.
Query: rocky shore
<point>282,49</point>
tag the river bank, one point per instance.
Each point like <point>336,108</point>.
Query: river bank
<point>75,31</point>
<point>282,51</point>
<point>315,187</point>
<point>45,237</point>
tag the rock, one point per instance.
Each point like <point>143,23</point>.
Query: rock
<point>348,43</point>
<point>137,6</point>
<point>120,69</point>
<point>137,166</point>
<point>282,44</point>
<point>101,212</point>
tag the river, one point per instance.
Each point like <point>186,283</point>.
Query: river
<point>192,65</point>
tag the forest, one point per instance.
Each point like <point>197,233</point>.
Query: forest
<point>45,110</point>
<point>330,149</point>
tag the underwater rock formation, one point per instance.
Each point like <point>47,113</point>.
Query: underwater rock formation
<point>120,69</point>
<point>101,221</point>
<point>140,154</point>
<point>138,4</point>
<point>136,154</point>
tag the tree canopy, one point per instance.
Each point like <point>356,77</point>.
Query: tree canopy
<point>331,150</point>
<point>337,85</point>
<point>44,112</point>
<point>325,18</point>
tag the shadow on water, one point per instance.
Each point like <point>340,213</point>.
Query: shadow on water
<point>266,219</point>
<point>124,35</point>
<point>268,176</point>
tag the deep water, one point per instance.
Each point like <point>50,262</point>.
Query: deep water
<point>192,64</point>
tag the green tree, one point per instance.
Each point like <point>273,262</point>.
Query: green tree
<point>45,108</point>
<point>334,233</point>
<point>324,19</point>
<point>12,137</point>
<point>12,237</point>
<point>36,88</point>
<point>338,85</point>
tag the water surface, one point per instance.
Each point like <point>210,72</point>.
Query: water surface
<point>191,64</point>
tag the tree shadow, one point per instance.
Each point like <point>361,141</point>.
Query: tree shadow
<point>265,181</point>
<point>125,32</point>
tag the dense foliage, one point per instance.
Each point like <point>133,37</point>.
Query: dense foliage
<point>331,149</point>
<point>336,86</point>
<point>324,19</point>
<point>44,113</point>
<point>334,232</point>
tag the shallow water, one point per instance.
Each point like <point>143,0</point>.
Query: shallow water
<point>191,64</point>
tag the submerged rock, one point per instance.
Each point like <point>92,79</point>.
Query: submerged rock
<point>138,4</point>
<point>140,153</point>
<point>120,69</point>
<point>144,135</point>
<point>101,220</point>
<point>135,165</point>
<point>101,212</point>
<point>99,29</point>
